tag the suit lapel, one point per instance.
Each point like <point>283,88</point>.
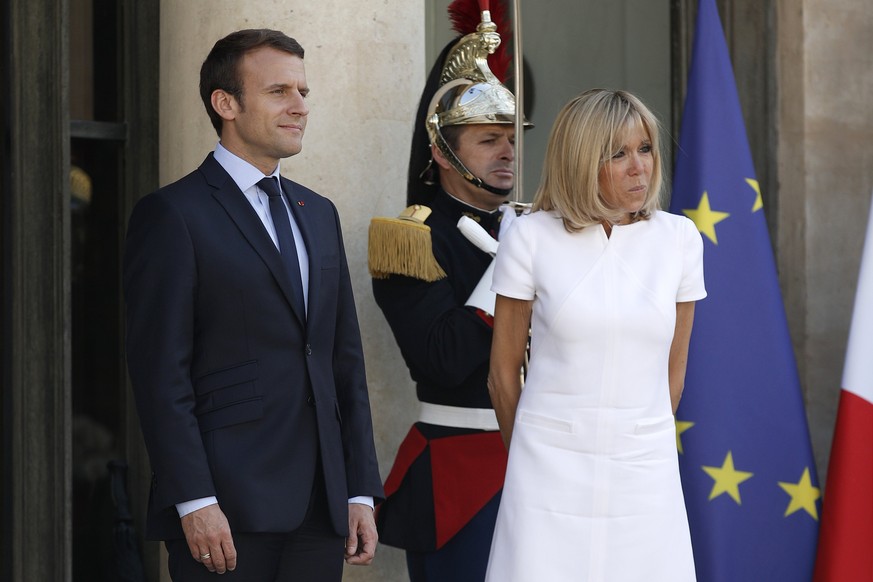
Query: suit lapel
<point>241,212</point>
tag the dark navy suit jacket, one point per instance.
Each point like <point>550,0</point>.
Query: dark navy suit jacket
<point>237,393</point>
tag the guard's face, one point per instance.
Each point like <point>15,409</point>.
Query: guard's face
<point>624,179</point>
<point>488,151</point>
<point>269,122</point>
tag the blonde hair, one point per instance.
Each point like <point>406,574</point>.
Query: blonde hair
<point>586,135</point>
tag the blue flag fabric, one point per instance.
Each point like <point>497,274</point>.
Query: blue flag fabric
<point>748,473</point>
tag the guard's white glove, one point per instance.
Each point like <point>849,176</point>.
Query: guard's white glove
<point>482,296</point>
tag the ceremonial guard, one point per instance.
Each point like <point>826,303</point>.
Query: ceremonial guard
<point>432,282</point>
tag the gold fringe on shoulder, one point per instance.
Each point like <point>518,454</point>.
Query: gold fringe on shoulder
<point>402,246</point>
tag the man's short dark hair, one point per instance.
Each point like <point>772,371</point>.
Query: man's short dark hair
<point>220,70</point>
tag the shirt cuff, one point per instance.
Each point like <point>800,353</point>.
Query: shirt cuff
<point>363,500</point>
<point>187,507</point>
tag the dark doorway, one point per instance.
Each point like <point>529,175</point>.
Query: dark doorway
<point>97,142</point>
<point>78,145</point>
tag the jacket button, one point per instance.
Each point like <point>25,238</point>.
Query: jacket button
<point>308,350</point>
<point>310,400</point>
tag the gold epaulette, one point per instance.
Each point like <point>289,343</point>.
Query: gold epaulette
<point>402,246</point>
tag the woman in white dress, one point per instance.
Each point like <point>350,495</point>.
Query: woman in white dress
<point>606,284</point>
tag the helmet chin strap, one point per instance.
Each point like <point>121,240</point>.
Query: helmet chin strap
<point>480,183</point>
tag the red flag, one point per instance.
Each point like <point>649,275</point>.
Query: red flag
<point>845,546</point>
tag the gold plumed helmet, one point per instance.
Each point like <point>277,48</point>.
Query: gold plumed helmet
<point>461,89</point>
<point>470,94</point>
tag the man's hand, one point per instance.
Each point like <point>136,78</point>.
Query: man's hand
<point>208,535</point>
<point>361,543</point>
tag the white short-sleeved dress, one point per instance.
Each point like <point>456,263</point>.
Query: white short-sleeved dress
<point>592,488</point>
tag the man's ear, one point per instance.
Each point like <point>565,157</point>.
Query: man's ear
<point>225,104</point>
<point>439,158</point>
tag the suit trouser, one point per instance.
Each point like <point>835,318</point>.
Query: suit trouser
<point>311,553</point>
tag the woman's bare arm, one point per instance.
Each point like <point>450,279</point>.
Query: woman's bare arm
<point>511,330</point>
<point>679,351</point>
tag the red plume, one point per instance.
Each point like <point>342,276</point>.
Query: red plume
<point>466,16</point>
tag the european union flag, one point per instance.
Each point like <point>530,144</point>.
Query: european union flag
<point>748,473</point>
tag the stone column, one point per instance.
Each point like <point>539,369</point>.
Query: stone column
<point>825,173</point>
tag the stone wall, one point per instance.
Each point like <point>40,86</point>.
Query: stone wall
<point>825,179</point>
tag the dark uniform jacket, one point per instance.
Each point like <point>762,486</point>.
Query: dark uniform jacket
<point>445,344</point>
<point>447,347</point>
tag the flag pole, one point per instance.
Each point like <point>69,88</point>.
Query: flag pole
<point>518,61</point>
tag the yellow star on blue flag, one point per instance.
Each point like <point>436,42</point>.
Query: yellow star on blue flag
<point>803,495</point>
<point>681,426</point>
<point>727,479</point>
<point>705,217</point>
<point>759,202</point>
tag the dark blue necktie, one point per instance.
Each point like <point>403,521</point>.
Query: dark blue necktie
<point>287,248</point>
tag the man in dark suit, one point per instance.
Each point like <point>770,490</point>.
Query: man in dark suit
<point>243,344</point>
